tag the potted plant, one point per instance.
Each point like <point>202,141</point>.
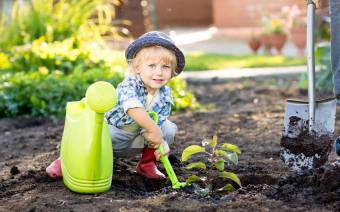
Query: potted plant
<point>273,33</point>
<point>254,43</point>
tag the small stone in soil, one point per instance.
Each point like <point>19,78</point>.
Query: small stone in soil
<point>14,170</point>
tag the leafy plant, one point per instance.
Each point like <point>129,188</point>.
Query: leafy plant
<point>57,55</point>
<point>182,97</point>
<point>45,93</point>
<point>323,81</point>
<point>58,20</point>
<point>214,167</point>
<point>272,25</point>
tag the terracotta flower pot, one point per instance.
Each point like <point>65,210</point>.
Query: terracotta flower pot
<point>254,44</point>
<point>278,41</point>
<point>265,40</point>
<point>298,36</point>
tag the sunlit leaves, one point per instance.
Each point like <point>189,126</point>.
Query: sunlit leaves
<point>213,141</point>
<point>196,165</point>
<point>190,150</point>
<point>214,166</point>
<point>192,178</point>
<point>231,176</point>
<point>232,156</point>
<point>227,188</point>
<point>219,164</point>
<point>231,147</point>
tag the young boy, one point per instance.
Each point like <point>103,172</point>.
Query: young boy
<point>153,60</point>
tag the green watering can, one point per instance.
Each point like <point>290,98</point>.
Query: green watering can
<point>86,148</point>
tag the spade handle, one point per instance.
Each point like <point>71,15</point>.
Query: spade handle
<point>311,62</point>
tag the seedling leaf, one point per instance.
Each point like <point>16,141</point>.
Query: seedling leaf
<point>213,142</point>
<point>220,165</point>
<point>197,165</point>
<point>232,156</point>
<point>191,179</point>
<point>231,176</point>
<point>231,147</point>
<point>227,187</point>
<point>190,150</point>
<point>221,153</point>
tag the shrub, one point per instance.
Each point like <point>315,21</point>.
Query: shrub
<point>58,55</point>
<point>324,79</point>
<point>58,20</point>
<point>182,97</point>
<point>45,93</point>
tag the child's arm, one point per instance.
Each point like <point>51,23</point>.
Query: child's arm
<point>153,131</point>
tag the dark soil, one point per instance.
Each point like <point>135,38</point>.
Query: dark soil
<point>313,146</point>
<point>247,112</point>
<point>302,149</point>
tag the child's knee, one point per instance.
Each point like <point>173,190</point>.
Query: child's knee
<point>169,130</point>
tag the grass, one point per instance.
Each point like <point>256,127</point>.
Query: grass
<point>198,61</point>
<point>207,61</point>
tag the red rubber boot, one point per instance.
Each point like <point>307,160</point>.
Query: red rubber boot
<point>147,165</point>
<point>54,169</point>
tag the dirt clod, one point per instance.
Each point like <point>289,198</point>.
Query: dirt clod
<point>14,170</point>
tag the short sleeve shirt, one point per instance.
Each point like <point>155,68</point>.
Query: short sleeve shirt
<point>132,93</point>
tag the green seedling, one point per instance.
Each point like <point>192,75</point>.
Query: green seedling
<point>217,157</point>
<point>166,163</point>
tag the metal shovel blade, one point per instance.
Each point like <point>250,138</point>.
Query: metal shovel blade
<point>325,112</point>
<point>295,152</point>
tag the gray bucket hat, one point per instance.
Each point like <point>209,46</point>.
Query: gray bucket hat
<point>156,38</point>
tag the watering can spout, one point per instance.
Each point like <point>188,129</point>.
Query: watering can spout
<point>100,97</point>
<point>96,146</point>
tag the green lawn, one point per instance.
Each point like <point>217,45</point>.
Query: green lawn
<point>206,61</point>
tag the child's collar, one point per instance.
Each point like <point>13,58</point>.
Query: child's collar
<point>139,81</point>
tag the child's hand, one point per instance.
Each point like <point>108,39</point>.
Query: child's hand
<point>154,137</point>
<point>166,150</point>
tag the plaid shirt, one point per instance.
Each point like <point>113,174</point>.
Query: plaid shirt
<point>132,93</point>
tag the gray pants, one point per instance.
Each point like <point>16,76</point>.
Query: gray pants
<point>334,7</point>
<point>129,144</point>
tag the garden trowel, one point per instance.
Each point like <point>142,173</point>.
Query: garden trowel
<point>166,163</point>
<point>312,117</point>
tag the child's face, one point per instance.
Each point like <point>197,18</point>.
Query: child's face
<point>154,72</point>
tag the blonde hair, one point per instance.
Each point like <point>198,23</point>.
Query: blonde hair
<point>163,54</point>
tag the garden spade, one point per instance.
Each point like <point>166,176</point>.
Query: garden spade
<point>312,117</point>
<point>166,163</point>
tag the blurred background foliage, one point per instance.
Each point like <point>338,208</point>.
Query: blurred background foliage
<point>84,20</point>
<point>51,51</point>
<point>324,79</point>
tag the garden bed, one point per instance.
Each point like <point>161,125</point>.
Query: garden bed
<point>248,113</point>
